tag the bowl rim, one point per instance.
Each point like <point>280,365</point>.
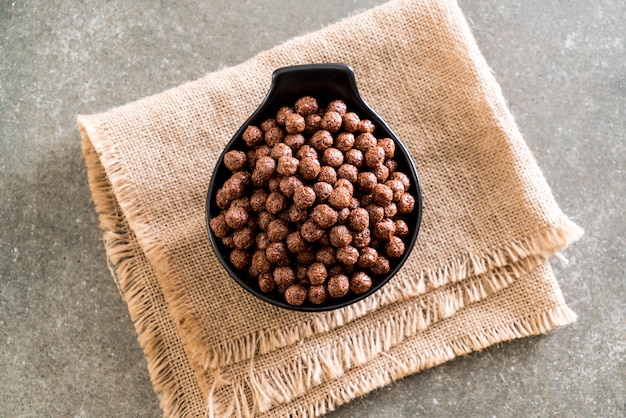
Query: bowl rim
<point>348,73</point>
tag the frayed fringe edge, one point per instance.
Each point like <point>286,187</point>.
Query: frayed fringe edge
<point>545,243</point>
<point>122,262</point>
<point>364,382</point>
<point>271,387</point>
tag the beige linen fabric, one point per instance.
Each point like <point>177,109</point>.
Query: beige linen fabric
<point>477,275</point>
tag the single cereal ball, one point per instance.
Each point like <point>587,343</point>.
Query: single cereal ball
<point>355,157</point>
<point>243,203</point>
<point>322,191</point>
<point>235,160</point>
<point>263,151</point>
<point>243,238</point>
<point>309,168</point>
<point>304,197</point>
<point>260,263</point>
<point>389,146</point>
<point>219,226</point>
<point>266,283</point>
<point>391,210</point>
<point>311,231</point>
<point>284,276</point>
<point>262,241</point>
<point>382,194</point>
<point>360,282</point>
<point>294,141</point>
<point>348,171</point>
<point>312,123</point>
<point>295,295</point>
<point>239,259</point>
<point>382,265</point>
<point>340,198</point>
<point>374,156</point>
<point>364,141</point>
<point>288,185</point>
<point>275,203</point>
<point>406,204</point>
<point>221,199</point>
<point>266,165</point>
<point>326,256</point>
<point>376,213</point>
<point>394,247</point>
<point>403,178</point>
<point>297,215</point>
<point>402,229</point>
<point>232,189</point>
<point>295,242</point>
<point>236,217</point>
<point>274,136</point>
<point>274,184</point>
<point>316,273</point>
<point>342,216</point>
<point>288,166</point>
<point>281,115</point>
<point>337,106</point>
<point>327,174</point>
<point>340,236</point>
<point>359,219</point>
<point>350,121</point>
<point>397,188</point>
<point>306,151</point>
<point>344,141</point>
<point>384,229</point>
<point>392,166</point>
<point>268,124</point>
<point>240,179</point>
<point>277,230</point>
<point>345,183</point>
<point>252,136</point>
<point>301,276</point>
<point>264,219</point>
<point>277,252</point>
<point>366,181</point>
<point>294,123</point>
<point>367,258</point>
<point>228,242</point>
<point>338,286</point>
<point>324,215</point>
<point>331,121</point>
<point>366,126</point>
<point>306,257</point>
<point>382,173</point>
<point>347,255</point>
<point>317,294</point>
<point>321,140</point>
<point>280,150</point>
<point>332,157</point>
<point>362,238</point>
<point>306,105</point>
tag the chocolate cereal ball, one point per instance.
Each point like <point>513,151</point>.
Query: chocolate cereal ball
<point>260,263</point>
<point>295,294</point>
<point>366,126</point>
<point>321,140</point>
<point>219,226</point>
<point>331,157</point>
<point>306,105</point>
<point>304,197</point>
<point>347,255</point>
<point>389,146</point>
<point>331,121</point>
<point>309,168</point>
<point>252,136</point>
<point>294,123</point>
<point>311,231</point>
<point>281,115</point>
<point>374,156</point>
<point>346,184</point>
<point>275,203</point>
<point>340,236</point>
<point>235,160</point>
<point>263,220</point>
<point>350,121</point>
<point>262,241</point>
<point>342,216</point>
<point>274,136</point>
<point>322,191</point>
<point>306,151</point>
<point>355,157</point>
<point>288,185</point>
<point>348,171</point>
<point>277,230</point>
<point>366,181</point>
<point>344,141</point>
<point>327,174</point>
<point>243,238</point>
<point>324,215</point>
<point>326,256</point>
<point>316,273</point>
<point>403,178</point>
<point>268,124</point>
<point>284,276</point>
<point>340,198</point>
<point>391,210</point>
<point>280,150</point>
<point>402,229</point>
<point>312,123</point>
<point>277,253</point>
<point>358,219</point>
<point>317,294</point>
<point>360,282</point>
<point>367,258</point>
<point>236,217</point>
<point>295,242</point>
<point>384,229</point>
<point>294,141</point>
<point>376,213</point>
<point>338,286</point>
<point>228,242</point>
<point>240,259</point>
<point>362,238</point>
<point>338,106</point>
<point>364,141</point>
<point>382,173</point>
<point>297,215</point>
<point>394,247</point>
<point>382,194</point>
<point>266,283</point>
<point>265,165</point>
<point>382,265</point>
<point>397,188</point>
<point>406,204</point>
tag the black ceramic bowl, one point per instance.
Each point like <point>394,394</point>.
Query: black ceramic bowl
<point>325,82</point>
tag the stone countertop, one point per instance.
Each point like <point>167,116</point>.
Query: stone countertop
<point>67,344</point>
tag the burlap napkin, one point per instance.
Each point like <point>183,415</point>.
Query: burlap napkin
<point>477,275</point>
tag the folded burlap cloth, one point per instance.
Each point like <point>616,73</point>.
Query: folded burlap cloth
<point>477,276</point>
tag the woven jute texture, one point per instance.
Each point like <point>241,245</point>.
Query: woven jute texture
<point>478,274</point>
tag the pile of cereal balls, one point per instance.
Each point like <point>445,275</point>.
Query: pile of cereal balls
<point>315,204</point>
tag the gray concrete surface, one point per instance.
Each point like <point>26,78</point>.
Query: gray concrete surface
<point>67,345</point>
